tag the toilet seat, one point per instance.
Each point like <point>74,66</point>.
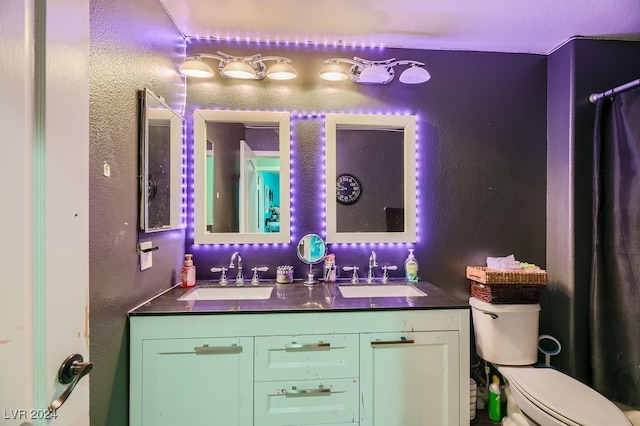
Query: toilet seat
<point>559,399</point>
<point>535,409</point>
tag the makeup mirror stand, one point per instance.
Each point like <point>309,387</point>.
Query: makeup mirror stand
<point>311,250</point>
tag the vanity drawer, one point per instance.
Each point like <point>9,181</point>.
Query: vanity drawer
<point>306,402</point>
<point>306,357</point>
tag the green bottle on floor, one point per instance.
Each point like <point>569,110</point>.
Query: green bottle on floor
<point>495,408</point>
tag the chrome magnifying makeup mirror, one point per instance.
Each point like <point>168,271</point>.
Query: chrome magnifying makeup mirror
<point>311,250</point>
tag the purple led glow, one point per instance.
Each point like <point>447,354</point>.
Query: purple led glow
<point>294,188</point>
<point>305,43</point>
<point>419,200</point>
<point>190,150</point>
<point>183,175</point>
<point>191,211</point>
<point>323,200</point>
<point>417,183</point>
<point>320,194</point>
<point>292,193</point>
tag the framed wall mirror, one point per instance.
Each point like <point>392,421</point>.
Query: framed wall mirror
<point>241,188</point>
<point>160,164</point>
<point>370,178</point>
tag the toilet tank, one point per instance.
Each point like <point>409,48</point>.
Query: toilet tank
<point>506,334</point>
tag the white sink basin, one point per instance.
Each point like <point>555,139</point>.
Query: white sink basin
<point>380,290</point>
<point>228,293</point>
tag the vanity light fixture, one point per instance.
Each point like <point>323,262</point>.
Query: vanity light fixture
<point>241,67</point>
<point>373,72</point>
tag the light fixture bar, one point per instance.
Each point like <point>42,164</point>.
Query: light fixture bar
<point>242,67</point>
<point>364,71</point>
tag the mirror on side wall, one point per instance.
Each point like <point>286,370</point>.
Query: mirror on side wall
<point>160,164</point>
<point>370,180</point>
<point>241,177</point>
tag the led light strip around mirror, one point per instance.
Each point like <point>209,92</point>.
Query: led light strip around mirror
<point>288,182</point>
<point>407,232</point>
<point>242,234</point>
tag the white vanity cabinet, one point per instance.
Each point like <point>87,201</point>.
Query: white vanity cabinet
<point>194,382</point>
<point>367,367</point>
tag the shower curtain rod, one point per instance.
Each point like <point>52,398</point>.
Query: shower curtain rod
<point>594,97</point>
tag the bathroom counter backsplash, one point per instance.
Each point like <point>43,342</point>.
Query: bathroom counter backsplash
<point>298,297</point>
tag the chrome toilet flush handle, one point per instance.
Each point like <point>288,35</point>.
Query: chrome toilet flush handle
<point>491,314</point>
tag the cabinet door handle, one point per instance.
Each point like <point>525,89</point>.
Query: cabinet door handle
<point>402,341</point>
<point>207,350</point>
<point>307,392</point>
<point>307,346</point>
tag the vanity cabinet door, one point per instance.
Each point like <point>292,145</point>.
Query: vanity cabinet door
<point>410,379</point>
<point>197,381</point>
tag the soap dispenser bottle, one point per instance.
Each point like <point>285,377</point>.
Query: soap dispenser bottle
<point>411,268</point>
<point>188,272</point>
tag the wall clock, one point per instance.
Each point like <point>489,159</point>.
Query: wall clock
<point>348,189</point>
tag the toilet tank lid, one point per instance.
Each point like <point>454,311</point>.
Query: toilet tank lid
<point>492,307</point>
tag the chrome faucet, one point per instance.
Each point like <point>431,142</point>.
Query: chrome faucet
<point>373,263</point>
<point>239,277</point>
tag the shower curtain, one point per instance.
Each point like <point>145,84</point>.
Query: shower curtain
<point>615,277</point>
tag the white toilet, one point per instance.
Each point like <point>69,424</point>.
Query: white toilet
<point>507,337</point>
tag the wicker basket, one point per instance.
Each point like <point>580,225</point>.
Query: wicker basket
<point>506,287</point>
<point>485,275</point>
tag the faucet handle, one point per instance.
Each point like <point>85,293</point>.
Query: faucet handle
<point>354,277</point>
<point>223,275</point>
<point>385,275</point>
<point>255,280</point>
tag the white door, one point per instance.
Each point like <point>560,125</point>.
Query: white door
<point>44,122</point>
<point>248,190</point>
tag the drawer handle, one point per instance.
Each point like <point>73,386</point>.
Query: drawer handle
<point>206,349</point>
<point>402,341</point>
<point>293,346</point>
<point>307,392</point>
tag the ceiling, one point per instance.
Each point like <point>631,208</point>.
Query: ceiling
<point>520,26</point>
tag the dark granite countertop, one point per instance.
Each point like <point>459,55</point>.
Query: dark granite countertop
<point>298,297</point>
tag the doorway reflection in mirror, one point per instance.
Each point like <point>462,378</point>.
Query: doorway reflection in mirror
<point>243,175</point>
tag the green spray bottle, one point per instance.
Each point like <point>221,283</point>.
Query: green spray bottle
<point>495,409</point>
